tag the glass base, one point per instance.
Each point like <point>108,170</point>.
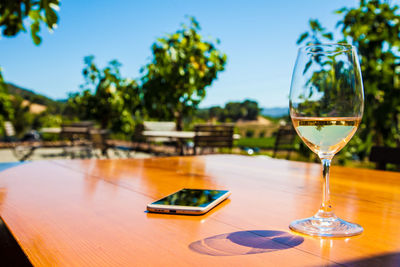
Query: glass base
<point>326,227</point>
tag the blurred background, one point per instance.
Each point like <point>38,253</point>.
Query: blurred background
<point>121,63</point>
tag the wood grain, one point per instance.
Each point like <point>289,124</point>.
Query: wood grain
<point>92,213</point>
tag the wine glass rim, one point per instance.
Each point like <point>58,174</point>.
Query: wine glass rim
<point>345,48</point>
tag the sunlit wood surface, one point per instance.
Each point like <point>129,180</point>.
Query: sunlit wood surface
<point>92,213</point>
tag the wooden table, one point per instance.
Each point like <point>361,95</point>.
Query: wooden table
<point>92,213</point>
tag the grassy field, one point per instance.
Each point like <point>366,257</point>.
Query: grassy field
<point>261,140</point>
<point>266,145</point>
<point>262,143</point>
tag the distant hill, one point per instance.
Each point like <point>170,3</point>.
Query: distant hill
<point>32,97</point>
<point>275,112</point>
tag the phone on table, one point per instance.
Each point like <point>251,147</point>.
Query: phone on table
<point>189,201</point>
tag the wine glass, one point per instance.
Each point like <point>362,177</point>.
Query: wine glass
<point>326,107</point>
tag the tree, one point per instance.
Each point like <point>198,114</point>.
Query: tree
<point>13,15</point>
<point>22,118</point>
<point>233,111</point>
<point>216,112</point>
<point>316,33</point>
<point>107,97</point>
<point>183,65</point>
<point>374,28</point>
<point>5,104</point>
<point>246,110</point>
<point>6,107</point>
<point>252,109</point>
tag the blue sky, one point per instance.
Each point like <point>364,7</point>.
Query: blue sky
<point>259,38</point>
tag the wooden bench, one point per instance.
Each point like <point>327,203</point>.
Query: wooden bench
<point>213,136</point>
<point>78,133</point>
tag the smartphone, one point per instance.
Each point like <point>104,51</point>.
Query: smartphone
<point>189,201</point>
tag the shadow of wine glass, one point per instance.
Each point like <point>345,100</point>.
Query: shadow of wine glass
<point>246,242</point>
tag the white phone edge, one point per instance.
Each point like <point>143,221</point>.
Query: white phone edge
<point>172,209</point>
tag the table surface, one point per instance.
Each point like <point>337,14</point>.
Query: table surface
<point>92,213</point>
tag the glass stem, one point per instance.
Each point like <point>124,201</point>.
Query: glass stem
<point>325,211</point>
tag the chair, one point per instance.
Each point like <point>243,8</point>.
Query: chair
<point>382,155</point>
<point>213,136</point>
<point>79,134</point>
<point>9,132</point>
<point>138,143</point>
<point>99,139</point>
<point>159,144</point>
<point>21,148</point>
<point>284,139</point>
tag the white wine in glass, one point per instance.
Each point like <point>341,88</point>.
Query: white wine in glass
<point>326,135</point>
<point>326,107</point>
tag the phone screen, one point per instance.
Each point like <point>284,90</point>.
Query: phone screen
<point>191,197</point>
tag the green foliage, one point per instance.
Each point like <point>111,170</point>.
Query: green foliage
<point>216,112</point>
<point>15,13</point>
<point>374,28</point>
<point>55,107</point>
<point>6,110</point>
<point>22,119</point>
<point>47,119</point>
<point>315,34</point>
<point>264,143</point>
<point>233,111</point>
<point>329,91</point>
<point>183,65</point>
<point>246,110</point>
<point>250,133</point>
<point>107,98</point>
